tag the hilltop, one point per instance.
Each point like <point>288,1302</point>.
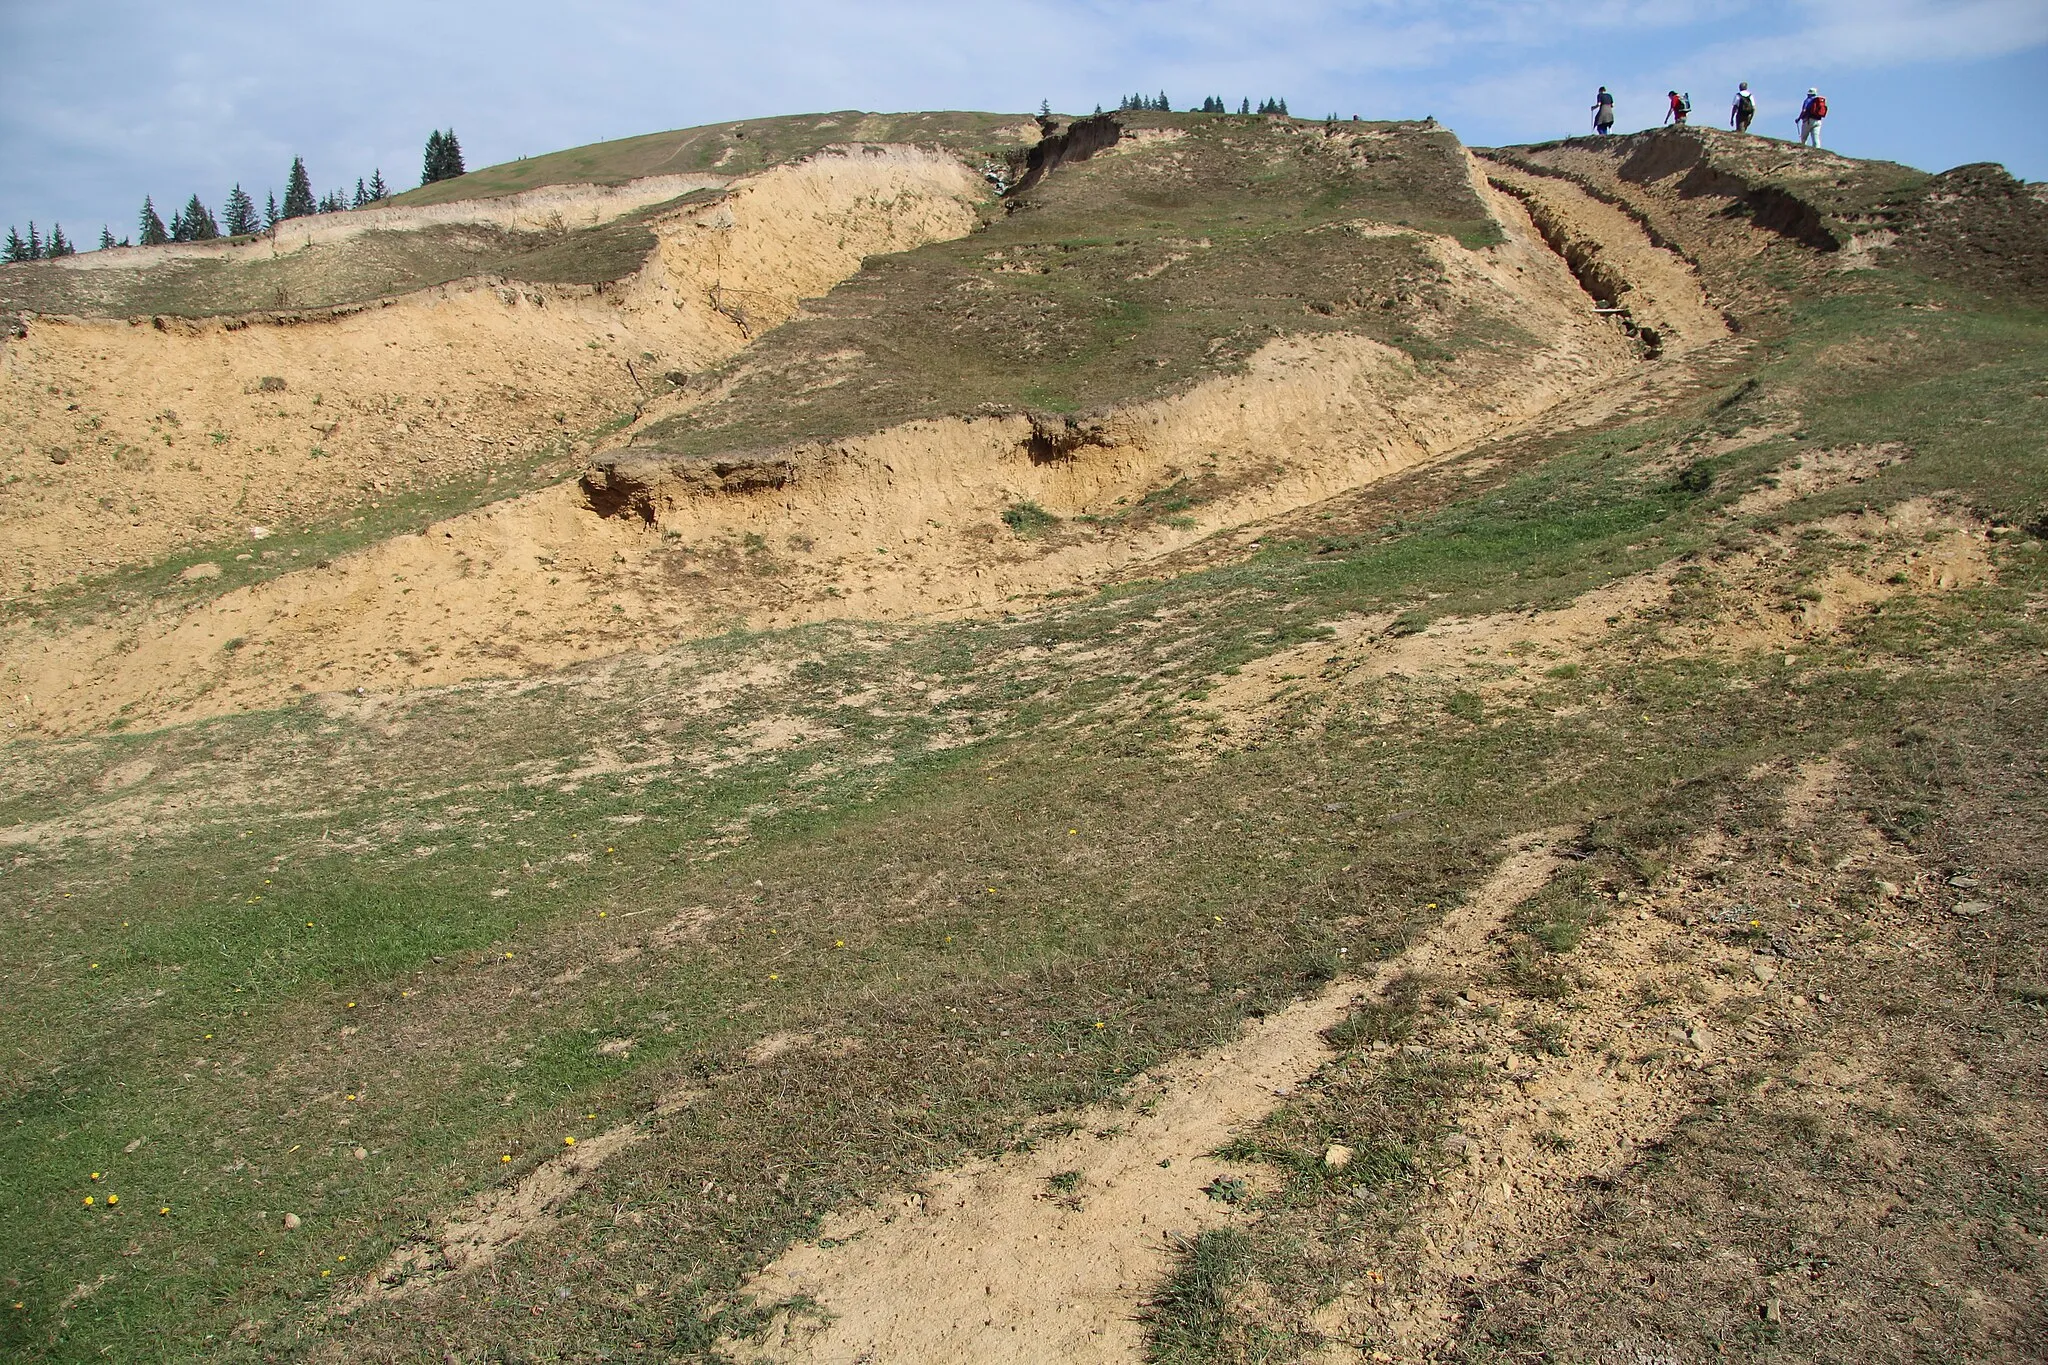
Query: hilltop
<point>1183,737</point>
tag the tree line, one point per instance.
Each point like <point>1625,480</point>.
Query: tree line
<point>1214,104</point>
<point>239,216</point>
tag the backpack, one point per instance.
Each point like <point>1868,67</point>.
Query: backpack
<point>1685,103</point>
<point>1818,107</point>
<point>1746,106</point>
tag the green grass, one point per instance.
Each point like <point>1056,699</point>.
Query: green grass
<point>314,889</point>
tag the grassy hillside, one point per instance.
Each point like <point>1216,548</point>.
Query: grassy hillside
<point>1174,255</point>
<point>818,912</point>
<point>729,149</point>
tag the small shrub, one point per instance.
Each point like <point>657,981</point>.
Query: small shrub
<point>1028,519</point>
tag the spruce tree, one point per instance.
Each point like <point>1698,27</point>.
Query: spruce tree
<point>106,238</point>
<point>298,191</point>
<point>59,244</point>
<point>16,249</point>
<point>270,213</point>
<point>1246,107</point>
<point>200,225</point>
<point>1164,106</point>
<point>35,242</point>
<point>378,191</point>
<point>238,214</point>
<point>451,156</point>
<point>430,168</point>
<point>362,195</point>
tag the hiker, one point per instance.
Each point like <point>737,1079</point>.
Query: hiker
<point>1745,109</point>
<point>1603,113</point>
<point>1680,110</point>
<point>1811,115</point>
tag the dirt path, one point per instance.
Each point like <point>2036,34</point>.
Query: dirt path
<point>1049,1254</point>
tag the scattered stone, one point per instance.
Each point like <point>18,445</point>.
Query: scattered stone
<point>1764,969</point>
<point>1963,881</point>
<point>1774,1310</point>
<point>362,1154</point>
<point>1457,1144</point>
<point>1972,909</point>
<point>1337,1157</point>
<point>193,573</point>
<point>291,1220</point>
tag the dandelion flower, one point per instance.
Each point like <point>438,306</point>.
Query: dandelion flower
<point>568,1142</point>
<point>325,1273</point>
<point>838,943</point>
<point>1098,1023</point>
<point>1073,831</point>
<point>95,1175</point>
<point>95,966</point>
<point>163,1211</point>
<point>351,1096</point>
<point>88,1200</point>
<point>508,955</point>
<point>309,924</point>
<point>341,1258</point>
<point>611,850</point>
<point>503,1159</point>
<point>113,1199</point>
<point>600,914</point>
<point>775,976</point>
<point>351,1005</point>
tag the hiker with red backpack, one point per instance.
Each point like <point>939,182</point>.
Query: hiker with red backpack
<point>1811,115</point>
<point>1680,110</point>
<point>1744,111</point>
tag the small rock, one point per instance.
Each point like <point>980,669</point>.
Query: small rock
<point>1972,909</point>
<point>1888,889</point>
<point>362,1154</point>
<point>1964,882</point>
<point>1774,1310</point>
<point>1700,1039</point>
<point>1337,1157</point>
<point>259,533</point>
<point>1764,969</point>
<point>1458,1144</point>
<point>1335,807</point>
<point>193,573</point>
<point>291,1220</point>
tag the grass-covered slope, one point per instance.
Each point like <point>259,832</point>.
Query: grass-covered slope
<point>1179,251</point>
<point>817,912</point>
<point>736,148</point>
<point>371,265</point>
<point>381,260</point>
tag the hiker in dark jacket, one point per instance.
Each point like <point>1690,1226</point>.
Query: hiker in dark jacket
<point>1744,111</point>
<point>1603,113</point>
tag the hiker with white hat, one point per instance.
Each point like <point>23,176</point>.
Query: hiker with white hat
<point>1811,115</point>
<point>1745,109</point>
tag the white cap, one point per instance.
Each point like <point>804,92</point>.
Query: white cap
<point>1813,90</point>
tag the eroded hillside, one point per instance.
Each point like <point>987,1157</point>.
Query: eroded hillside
<point>1287,743</point>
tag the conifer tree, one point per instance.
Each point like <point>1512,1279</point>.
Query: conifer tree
<point>16,249</point>
<point>59,244</point>
<point>1246,107</point>
<point>106,238</point>
<point>1164,106</point>
<point>270,213</point>
<point>378,191</point>
<point>298,191</point>
<point>35,242</point>
<point>362,195</point>
<point>430,168</point>
<point>451,156</point>
<point>200,225</point>
<point>238,214</point>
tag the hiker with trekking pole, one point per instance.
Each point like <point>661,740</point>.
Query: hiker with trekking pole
<point>1811,115</point>
<point>1603,113</point>
<point>1740,116</point>
<point>1680,110</point>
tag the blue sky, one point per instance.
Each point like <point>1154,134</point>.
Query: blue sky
<point>120,98</point>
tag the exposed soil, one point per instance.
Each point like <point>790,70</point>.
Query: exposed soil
<point>1048,1254</point>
